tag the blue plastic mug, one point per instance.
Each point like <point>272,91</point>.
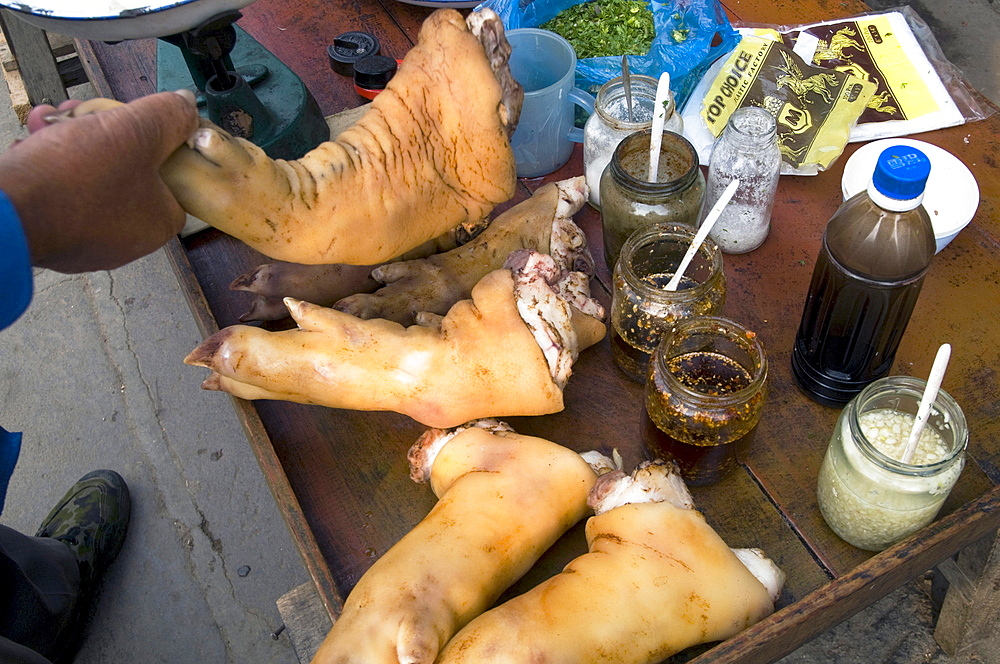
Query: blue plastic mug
<point>544,64</point>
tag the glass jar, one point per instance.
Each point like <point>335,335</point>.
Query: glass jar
<point>867,495</point>
<point>641,307</point>
<point>629,202</point>
<point>609,124</point>
<point>748,150</point>
<point>705,391</point>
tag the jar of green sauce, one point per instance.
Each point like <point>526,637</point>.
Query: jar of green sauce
<point>612,121</point>
<point>630,202</point>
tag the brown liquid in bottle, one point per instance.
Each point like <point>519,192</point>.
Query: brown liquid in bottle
<point>850,330</point>
<point>876,249</point>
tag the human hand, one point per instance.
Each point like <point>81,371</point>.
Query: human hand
<point>88,189</point>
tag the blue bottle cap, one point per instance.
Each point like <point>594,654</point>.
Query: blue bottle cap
<point>901,173</point>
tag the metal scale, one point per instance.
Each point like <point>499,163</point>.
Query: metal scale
<point>240,85</point>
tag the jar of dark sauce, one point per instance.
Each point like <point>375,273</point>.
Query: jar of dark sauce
<point>705,391</point>
<point>642,308</point>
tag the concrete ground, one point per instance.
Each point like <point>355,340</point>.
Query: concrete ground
<point>92,374</point>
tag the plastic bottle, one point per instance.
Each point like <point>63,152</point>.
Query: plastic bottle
<point>875,253</point>
<point>747,150</point>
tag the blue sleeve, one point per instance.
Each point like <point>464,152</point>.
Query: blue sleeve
<point>16,286</point>
<point>10,447</point>
<point>16,283</point>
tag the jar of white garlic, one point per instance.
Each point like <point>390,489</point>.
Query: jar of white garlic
<point>867,495</point>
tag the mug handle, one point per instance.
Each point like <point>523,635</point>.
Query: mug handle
<point>586,101</point>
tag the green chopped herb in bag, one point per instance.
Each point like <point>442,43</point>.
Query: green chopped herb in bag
<point>605,27</point>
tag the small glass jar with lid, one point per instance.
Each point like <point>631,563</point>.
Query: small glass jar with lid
<point>642,309</point>
<point>867,495</point>
<point>630,202</point>
<point>748,151</point>
<point>610,123</point>
<point>704,396</point>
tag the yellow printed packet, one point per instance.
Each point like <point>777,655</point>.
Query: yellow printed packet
<point>814,108</point>
<point>883,49</point>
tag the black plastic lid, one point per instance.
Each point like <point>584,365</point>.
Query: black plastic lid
<point>374,71</point>
<point>350,47</point>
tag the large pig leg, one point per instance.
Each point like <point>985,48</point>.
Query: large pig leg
<point>543,223</point>
<point>657,580</point>
<point>503,500</point>
<point>507,351</point>
<point>430,152</point>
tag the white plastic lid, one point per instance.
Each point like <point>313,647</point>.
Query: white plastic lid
<point>951,196</point>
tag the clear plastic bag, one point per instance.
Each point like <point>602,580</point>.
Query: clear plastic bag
<point>918,89</point>
<point>913,74</point>
<point>703,34</point>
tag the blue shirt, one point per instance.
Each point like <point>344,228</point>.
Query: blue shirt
<point>16,286</point>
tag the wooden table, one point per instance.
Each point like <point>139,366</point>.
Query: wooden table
<point>341,479</point>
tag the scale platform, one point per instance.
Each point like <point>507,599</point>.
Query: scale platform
<point>295,123</point>
<point>274,109</point>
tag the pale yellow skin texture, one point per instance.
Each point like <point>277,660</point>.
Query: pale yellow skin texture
<point>482,361</point>
<point>322,284</point>
<point>657,580</point>
<point>431,152</point>
<point>435,283</point>
<point>504,499</point>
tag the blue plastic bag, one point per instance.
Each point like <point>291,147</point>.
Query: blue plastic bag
<point>703,31</point>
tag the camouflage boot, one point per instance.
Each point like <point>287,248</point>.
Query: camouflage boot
<point>91,519</point>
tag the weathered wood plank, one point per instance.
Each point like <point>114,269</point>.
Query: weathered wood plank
<point>60,45</point>
<point>306,620</point>
<point>967,626</point>
<point>36,62</point>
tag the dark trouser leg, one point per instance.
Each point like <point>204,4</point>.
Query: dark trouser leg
<point>12,653</point>
<point>39,585</point>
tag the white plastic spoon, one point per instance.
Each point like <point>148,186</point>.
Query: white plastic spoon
<point>927,400</point>
<point>659,117</point>
<point>702,233</point>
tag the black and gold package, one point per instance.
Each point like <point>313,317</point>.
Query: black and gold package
<point>814,108</point>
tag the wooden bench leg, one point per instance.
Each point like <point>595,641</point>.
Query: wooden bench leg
<point>31,49</point>
<point>306,621</point>
<point>969,624</point>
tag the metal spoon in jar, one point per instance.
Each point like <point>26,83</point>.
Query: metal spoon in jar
<point>627,82</point>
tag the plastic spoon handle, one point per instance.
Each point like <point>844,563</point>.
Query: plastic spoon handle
<point>627,83</point>
<point>702,233</point>
<point>659,117</point>
<point>927,400</point>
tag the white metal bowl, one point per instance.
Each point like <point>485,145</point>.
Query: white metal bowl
<point>951,197</point>
<point>117,20</point>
